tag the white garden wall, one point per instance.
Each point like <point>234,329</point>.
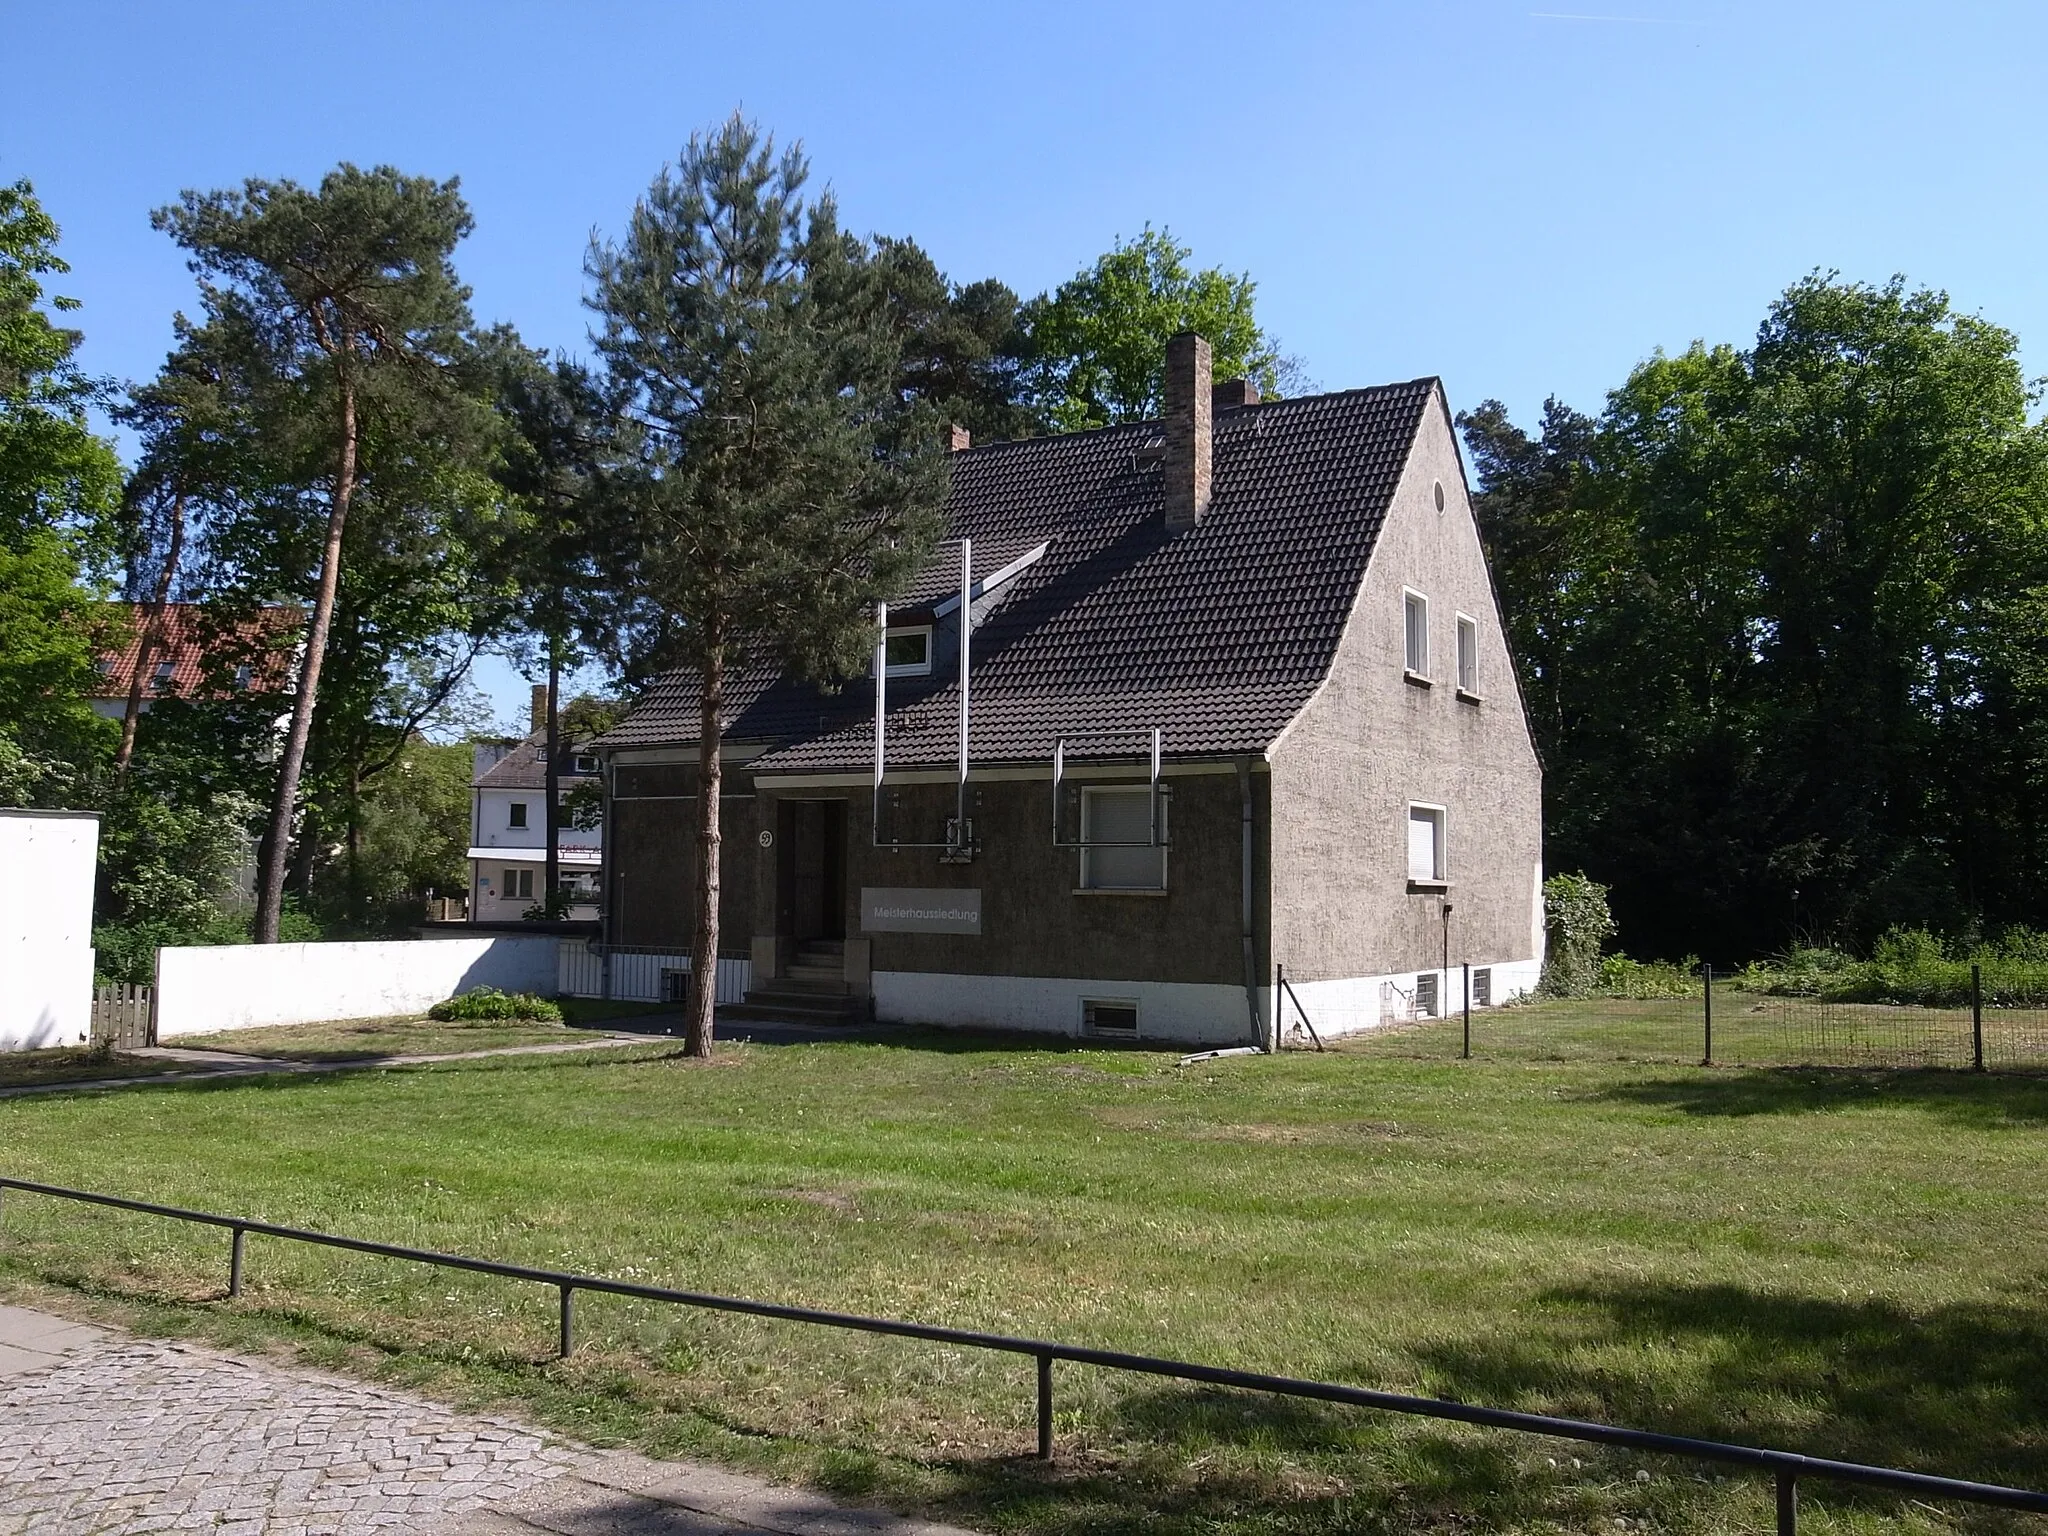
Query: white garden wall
<point>47,859</point>
<point>243,986</point>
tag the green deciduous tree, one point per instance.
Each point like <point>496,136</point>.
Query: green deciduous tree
<point>59,483</point>
<point>767,479</point>
<point>1098,343</point>
<point>338,313</point>
<point>1781,612</point>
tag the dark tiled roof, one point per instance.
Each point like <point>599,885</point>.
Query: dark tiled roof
<point>525,766</point>
<point>199,651</point>
<point>1217,635</point>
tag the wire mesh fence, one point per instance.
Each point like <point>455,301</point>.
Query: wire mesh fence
<point>1734,1026</point>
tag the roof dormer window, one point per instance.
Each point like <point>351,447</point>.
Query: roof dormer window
<point>909,651</point>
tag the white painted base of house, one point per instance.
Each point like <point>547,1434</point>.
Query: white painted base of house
<point>1191,1013</point>
<point>1345,1005</point>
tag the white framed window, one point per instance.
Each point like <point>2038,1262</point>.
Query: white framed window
<point>1468,655</point>
<point>1113,1016</point>
<point>518,885</point>
<point>1118,815</point>
<point>583,762</point>
<point>1415,624</point>
<point>1428,850</point>
<point>908,652</point>
<point>515,814</point>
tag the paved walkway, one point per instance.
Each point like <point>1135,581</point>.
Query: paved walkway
<point>102,1433</point>
<point>234,1064</point>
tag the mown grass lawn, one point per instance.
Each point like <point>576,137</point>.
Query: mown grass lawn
<point>1849,1264</point>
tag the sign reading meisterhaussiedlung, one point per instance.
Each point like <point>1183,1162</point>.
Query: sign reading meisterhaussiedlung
<point>885,909</point>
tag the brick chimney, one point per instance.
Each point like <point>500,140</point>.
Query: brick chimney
<point>960,439</point>
<point>538,711</point>
<point>1189,412</point>
<point>1232,394</point>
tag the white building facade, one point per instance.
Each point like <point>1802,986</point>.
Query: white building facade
<point>508,834</point>
<point>46,927</point>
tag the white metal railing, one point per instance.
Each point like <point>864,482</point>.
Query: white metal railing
<point>640,974</point>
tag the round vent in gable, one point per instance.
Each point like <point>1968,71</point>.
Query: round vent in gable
<point>1437,490</point>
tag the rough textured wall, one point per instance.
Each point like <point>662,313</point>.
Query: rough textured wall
<point>651,858</point>
<point>1370,742</point>
<point>1033,921</point>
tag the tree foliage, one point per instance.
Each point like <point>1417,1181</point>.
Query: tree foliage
<point>1098,342</point>
<point>343,337</point>
<point>767,479</point>
<point>1783,614</point>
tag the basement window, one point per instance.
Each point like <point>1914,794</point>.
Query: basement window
<point>1415,623</point>
<point>908,652</point>
<point>1482,987</point>
<point>1426,1000</point>
<point>1113,1016</point>
<point>1468,658</point>
<point>1122,819</point>
<point>1428,856</point>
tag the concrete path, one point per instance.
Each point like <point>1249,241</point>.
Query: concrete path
<point>103,1433</point>
<point>237,1065</point>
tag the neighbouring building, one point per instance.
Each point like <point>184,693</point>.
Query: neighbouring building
<point>508,828</point>
<point>1238,701</point>
<point>200,653</point>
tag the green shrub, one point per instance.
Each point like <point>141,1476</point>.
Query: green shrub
<point>489,1003</point>
<point>1622,977</point>
<point>1912,966</point>
<point>1577,923</point>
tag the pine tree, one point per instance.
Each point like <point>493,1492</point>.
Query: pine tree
<point>768,480</point>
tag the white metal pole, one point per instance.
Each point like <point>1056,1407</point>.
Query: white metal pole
<point>966,630</point>
<point>881,705</point>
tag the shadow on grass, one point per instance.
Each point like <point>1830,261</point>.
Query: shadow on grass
<point>1956,1390</point>
<point>1980,1100</point>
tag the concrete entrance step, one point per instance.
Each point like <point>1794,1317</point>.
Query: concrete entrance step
<point>778,1001</point>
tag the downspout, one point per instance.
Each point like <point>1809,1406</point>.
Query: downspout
<point>607,844</point>
<point>1246,912</point>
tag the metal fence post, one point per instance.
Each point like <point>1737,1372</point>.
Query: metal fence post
<point>1707,992</point>
<point>1045,1407</point>
<point>568,1334</point>
<point>1977,1017</point>
<point>1788,1503</point>
<point>235,1263</point>
<point>1467,1056</point>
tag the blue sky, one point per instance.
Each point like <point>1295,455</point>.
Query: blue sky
<point>1522,198</point>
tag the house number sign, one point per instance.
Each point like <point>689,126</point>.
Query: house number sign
<point>767,838</point>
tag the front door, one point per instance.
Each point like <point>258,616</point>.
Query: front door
<point>812,874</point>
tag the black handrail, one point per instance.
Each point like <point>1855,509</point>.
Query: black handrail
<point>1786,1467</point>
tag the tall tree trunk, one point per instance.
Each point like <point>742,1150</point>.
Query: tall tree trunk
<point>152,636</point>
<point>704,950</point>
<point>270,886</point>
<point>551,871</point>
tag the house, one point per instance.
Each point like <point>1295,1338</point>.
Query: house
<point>1215,695</point>
<point>508,827</point>
<point>200,653</point>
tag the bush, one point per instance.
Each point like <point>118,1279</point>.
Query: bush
<point>1577,922</point>
<point>1913,966</point>
<point>487,1003</point>
<point>1623,977</point>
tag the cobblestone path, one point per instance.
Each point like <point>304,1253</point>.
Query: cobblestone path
<point>101,1433</point>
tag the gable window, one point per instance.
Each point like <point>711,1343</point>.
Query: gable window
<point>1428,860</point>
<point>1120,816</point>
<point>518,885</point>
<point>909,651</point>
<point>1468,656</point>
<point>583,762</point>
<point>515,814</point>
<point>1415,612</point>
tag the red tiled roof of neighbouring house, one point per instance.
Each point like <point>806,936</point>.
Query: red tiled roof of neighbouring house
<point>203,651</point>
